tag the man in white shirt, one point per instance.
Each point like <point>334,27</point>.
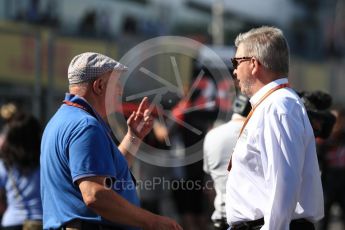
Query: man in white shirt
<point>219,144</point>
<point>274,180</point>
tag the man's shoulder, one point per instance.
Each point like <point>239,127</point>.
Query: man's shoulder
<point>284,101</point>
<point>71,116</point>
<point>223,131</point>
<point>214,132</point>
<point>66,122</point>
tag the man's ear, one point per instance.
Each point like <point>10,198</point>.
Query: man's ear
<point>255,66</point>
<point>98,86</point>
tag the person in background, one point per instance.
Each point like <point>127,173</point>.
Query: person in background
<point>274,180</point>
<point>219,144</point>
<point>6,113</point>
<point>332,156</point>
<point>20,171</point>
<point>189,201</point>
<point>86,181</point>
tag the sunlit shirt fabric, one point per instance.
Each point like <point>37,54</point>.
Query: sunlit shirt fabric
<point>275,173</point>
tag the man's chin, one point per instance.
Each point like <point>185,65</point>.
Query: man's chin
<point>245,92</point>
<point>241,89</point>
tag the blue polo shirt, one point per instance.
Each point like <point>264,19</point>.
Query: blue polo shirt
<point>76,144</point>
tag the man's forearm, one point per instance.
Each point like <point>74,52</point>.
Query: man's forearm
<point>116,209</point>
<point>111,206</point>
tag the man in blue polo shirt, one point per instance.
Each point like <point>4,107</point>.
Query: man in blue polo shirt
<point>80,162</point>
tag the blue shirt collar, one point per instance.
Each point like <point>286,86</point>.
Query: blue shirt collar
<point>88,108</point>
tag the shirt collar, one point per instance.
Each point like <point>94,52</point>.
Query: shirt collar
<point>79,100</point>
<point>88,108</point>
<point>259,94</point>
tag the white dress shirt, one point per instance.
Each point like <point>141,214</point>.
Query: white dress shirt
<point>219,144</point>
<point>275,173</point>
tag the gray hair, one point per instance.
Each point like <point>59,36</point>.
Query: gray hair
<point>80,88</point>
<point>269,46</point>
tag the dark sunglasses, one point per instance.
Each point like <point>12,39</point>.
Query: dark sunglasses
<point>237,60</point>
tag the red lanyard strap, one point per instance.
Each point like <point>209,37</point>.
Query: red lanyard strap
<point>69,103</point>
<point>74,105</point>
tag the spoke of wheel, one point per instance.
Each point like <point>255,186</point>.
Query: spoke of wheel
<point>177,74</point>
<point>195,84</point>
<point>170,86</point>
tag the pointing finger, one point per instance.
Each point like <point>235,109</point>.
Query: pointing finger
<point>144,104</point>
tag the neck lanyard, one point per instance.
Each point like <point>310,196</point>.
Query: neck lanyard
<point>88,110</point>
<point>69,103</point>
<point>253,109</point>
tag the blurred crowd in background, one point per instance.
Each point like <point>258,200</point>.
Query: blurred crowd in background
<point>38,38</point>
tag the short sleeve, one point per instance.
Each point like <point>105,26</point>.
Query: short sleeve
<point>91,153</point>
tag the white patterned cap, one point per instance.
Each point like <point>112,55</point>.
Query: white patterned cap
<point>87,67</point>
